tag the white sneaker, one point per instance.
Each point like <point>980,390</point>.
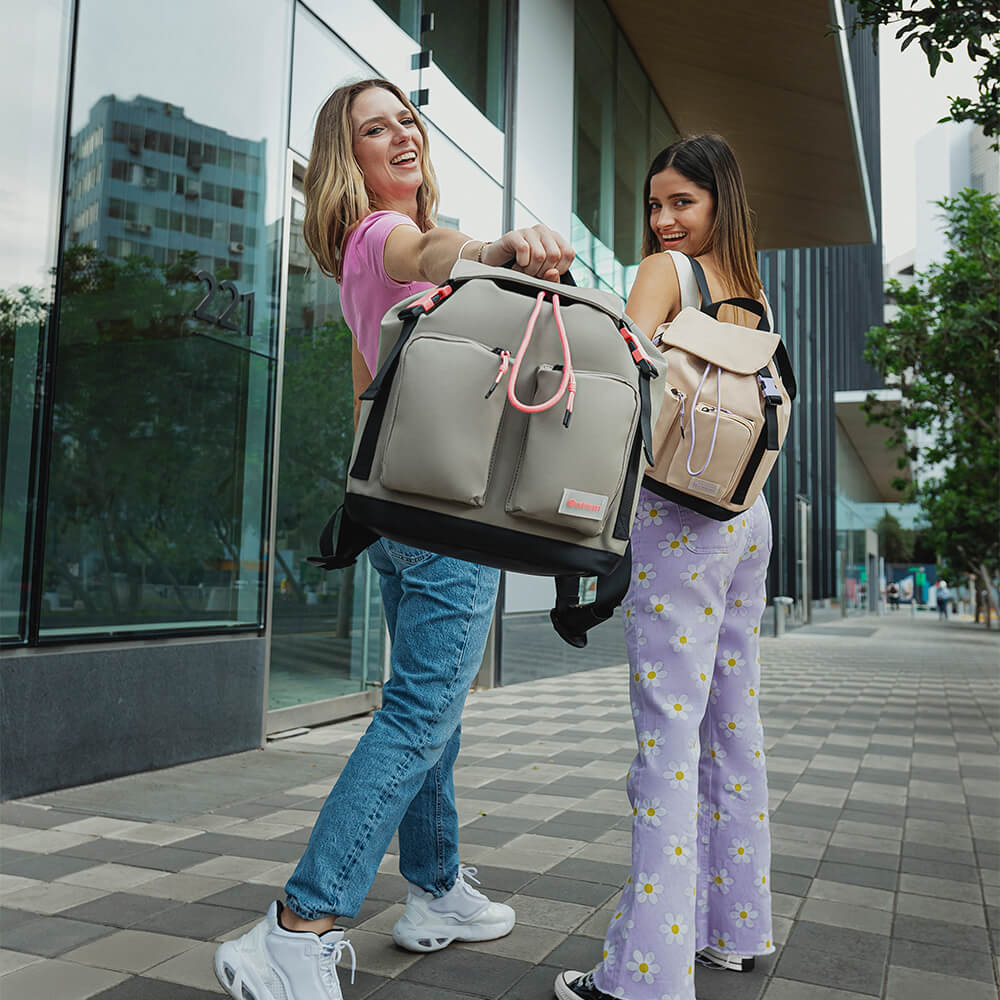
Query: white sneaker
<point>270,963</point>
<point>712,958</point>
<point>461,914</point>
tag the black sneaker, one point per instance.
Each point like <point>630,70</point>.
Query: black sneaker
<point>578,986</point>
<point>712,958</point>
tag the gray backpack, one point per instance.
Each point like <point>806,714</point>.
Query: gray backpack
<point>509,424</point>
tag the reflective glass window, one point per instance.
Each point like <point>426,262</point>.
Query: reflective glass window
<point>33,61</point>
<point>321,64</point>
<point>594,107</point>
<point>467,44</point>
<point>632,153</point>
<point>406,13</point>
<point>327,633</point>
<point>159,473</point>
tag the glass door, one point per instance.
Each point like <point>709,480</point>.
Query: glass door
<point>326,629</point>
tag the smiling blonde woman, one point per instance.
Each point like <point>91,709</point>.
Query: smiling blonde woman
<point>370,202</point>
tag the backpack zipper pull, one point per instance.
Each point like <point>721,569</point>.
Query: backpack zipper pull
<point>568,416</point>
<point>504,365</point>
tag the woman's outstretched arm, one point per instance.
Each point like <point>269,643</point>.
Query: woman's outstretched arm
<point>414,256</point>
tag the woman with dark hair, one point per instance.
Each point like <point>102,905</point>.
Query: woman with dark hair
<point>699,886</point>
<point>370,203</point>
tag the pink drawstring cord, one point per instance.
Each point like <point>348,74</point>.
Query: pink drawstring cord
<point>568,376</point>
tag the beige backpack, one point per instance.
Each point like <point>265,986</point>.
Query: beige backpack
<point>727,402</point>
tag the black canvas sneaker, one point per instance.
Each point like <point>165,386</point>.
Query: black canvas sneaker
<point>579,986</point>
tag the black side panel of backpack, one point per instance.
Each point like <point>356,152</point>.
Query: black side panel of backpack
<point>573,620</point>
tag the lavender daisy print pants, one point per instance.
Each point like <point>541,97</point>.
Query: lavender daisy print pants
<point>700,840</point>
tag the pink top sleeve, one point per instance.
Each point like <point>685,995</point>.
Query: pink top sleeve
<point>366,291</point>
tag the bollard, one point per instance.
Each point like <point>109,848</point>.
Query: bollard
<point>780,604</point>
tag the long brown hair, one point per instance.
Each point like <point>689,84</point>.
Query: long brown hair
<point>708,162</point>
<point>336,196</point>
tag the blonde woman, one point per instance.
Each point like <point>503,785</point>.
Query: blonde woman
<point>370,202</point>
<point>700,883</point>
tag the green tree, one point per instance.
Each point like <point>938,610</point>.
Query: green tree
<point>943,351</point>
<point>894,541</point>
<point>939,27</point>
<point>146,474</point>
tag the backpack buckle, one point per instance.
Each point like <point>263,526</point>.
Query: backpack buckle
<point>428,303</point>
<point>770,390</point>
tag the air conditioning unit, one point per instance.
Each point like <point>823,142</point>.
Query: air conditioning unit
<point>191,194</point>
<point>134,147</point>
<point>236,248</point>
<point>138,227</point>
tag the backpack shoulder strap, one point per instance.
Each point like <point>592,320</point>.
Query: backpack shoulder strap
<point>770,315</point>
<point>690,296</point>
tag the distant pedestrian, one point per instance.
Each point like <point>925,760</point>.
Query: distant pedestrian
<point>370,203</point>
<point>701,852</point>
<point>943,597</point>
<point>894,595</point>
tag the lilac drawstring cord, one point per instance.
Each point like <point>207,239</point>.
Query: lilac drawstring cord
<point>718,415</point>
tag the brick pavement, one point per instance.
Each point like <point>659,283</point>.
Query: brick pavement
<point>883,766</point>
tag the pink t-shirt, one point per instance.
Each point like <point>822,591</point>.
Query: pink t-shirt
<point>366,291</point>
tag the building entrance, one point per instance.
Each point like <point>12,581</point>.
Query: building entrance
<point>325,630</point>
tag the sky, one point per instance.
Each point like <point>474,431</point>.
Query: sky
<point>911,104</point>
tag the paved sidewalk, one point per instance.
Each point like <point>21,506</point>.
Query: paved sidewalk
<point>883,765</point>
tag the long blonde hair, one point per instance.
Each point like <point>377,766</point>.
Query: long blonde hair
<point>336,196</point>
<point>708,162</point>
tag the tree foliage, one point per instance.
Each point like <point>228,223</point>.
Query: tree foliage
<point>150,461</point>
<point>939,27</point>
<point>943,351</point>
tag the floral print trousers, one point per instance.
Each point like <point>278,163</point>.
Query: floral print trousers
<point>700,839</point>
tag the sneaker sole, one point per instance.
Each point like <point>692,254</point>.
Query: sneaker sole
<point>425,939</point>
<point>244,986</point>
<point>731,963</point>
<point>561,987</point>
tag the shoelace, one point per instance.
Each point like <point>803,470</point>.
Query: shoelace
<point>468,872</point>
<point>333,950</point>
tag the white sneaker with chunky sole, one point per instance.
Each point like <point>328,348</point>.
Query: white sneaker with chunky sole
<point>715,959</point>
<point>461,914</point>
<point>271,963</point>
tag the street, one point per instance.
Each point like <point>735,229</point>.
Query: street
<point>883,770</point>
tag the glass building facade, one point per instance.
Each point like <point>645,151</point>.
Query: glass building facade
<point>175,383</point>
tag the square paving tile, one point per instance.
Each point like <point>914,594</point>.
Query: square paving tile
<point>910,984</point>
<point>822,968</point>
<point>455,970</point>
<point>941,933</point>
<point>57,979</point>
<point>130,951</point>
<point>52,936</point>
<point>197,920</point>
<point>966,964</point>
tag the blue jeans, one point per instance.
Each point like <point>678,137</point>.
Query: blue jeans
<point>400,774</point>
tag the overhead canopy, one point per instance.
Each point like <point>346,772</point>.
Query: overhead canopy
<point>869,441</point>
<point>771,78</point>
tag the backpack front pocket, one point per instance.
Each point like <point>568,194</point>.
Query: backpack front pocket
<point>711,453</point>
<point>443,433</point>
<point>572,476</point>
